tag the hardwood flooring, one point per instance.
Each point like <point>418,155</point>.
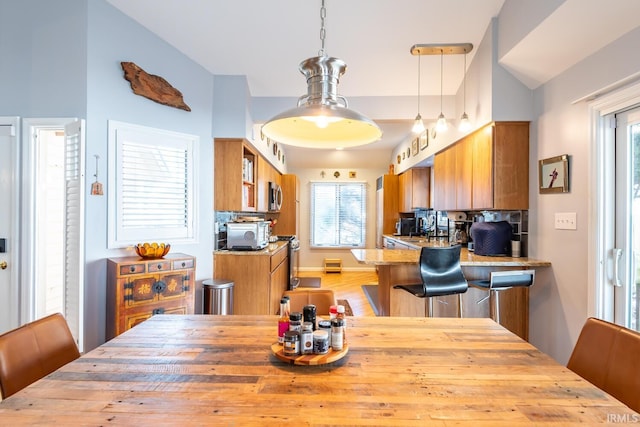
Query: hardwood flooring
<point>348,285</point>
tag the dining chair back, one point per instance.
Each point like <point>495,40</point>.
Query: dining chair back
<point>606,355</point>
<point>33,351</point>
<point>501,281</point>
<point>441,275</point>
<point>323,299</point>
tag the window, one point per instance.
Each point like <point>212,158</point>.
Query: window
<point>151,183</point>
<point>338,214</point>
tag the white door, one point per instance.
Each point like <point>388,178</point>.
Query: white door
<point>9,259</point>
<point>627,219</point>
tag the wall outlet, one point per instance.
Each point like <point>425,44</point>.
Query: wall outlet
<point>566,221</point>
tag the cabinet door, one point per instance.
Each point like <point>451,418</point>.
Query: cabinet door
<point>404,192</point>
<point>464,173</point>
<point>420,191</point>
<point>279,280</point>
<point>262,184</point>
<point>444,189</point>
<point>228,188</point>
<point>483,169</point>
<point>511,165</point>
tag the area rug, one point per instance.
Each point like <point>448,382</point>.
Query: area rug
<point>309,282</point>
<point>347,307</point>
<point>371,292</point>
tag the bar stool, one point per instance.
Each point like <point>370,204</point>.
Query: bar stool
<point>441,275</point>
<point>501,281</point>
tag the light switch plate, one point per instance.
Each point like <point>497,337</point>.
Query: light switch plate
<point>566,221</point>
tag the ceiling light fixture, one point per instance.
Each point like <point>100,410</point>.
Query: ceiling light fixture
<point>465,124</point>
<point>322,118</point>
<point>441,124</point>
<point>443,49</point>
<point>418,125</point>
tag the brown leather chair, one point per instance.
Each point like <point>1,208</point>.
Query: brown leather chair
<point>606,355</point>
<point>321,298</point>
<point>33,351</point>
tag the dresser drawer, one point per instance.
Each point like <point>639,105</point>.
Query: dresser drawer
<point>159,265</point>
<point>137,268</point>
<point>181,264</point>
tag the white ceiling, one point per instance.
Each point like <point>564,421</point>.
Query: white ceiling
<point>266,40</point>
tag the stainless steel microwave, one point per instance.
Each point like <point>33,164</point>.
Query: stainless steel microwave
<point>275,197</point>
<point>247,236</point>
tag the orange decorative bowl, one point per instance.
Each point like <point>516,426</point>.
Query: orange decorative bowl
<point>152,250</point>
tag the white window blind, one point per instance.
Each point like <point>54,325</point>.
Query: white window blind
<point>338,214</point>
<point>154,194</point>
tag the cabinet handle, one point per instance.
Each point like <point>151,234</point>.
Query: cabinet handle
<point>159,286</point>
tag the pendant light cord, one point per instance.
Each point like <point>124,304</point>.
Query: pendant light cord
<point>464,84</point>
<point>323,32</point>
<point>419,55</point>
<point>441,78</point>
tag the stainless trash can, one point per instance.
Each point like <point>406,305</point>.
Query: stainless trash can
<point>218,296</point>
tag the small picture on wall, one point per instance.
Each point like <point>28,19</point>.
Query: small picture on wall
<point>554,174</point>
<point>424,140</point>
<point>414,147</point>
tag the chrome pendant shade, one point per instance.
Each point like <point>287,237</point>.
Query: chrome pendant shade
<point>322,118</point>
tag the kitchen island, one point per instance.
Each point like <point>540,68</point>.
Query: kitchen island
<point>260,277</point>
<point>400,266</point>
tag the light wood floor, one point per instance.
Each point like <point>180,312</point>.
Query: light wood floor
<point>348,285</point>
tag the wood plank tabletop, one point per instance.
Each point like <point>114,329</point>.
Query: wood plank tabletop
<point>220,370</point>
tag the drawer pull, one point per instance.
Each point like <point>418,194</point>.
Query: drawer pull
<point>158,311</point>
<point>132,269</point>
<point>159,266</point>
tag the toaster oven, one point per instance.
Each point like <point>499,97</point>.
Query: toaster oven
<point>247,236</point>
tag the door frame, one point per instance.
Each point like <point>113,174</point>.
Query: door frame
<point>13,239</point>
<point>600,293</point>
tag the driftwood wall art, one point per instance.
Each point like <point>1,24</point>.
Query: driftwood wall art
<point>153,87</point>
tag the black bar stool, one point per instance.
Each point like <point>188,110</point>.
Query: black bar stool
<point>501,281</point>
<point>441,275</point>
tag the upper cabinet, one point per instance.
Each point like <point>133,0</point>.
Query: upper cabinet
<point>241,177</point>
<point>488,169</point>
<point>288,220</point>
<point>413,186</point>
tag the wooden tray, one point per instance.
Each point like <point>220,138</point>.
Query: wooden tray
<point>309,359</point>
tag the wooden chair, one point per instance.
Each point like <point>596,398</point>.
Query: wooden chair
<point>321,298</point>
<point>33,351</point>
<point>441,275</point>
<point>606,355</point>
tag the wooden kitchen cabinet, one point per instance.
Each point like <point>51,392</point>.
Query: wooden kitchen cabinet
<point>288,220</point>
<point>387,206</point>
<point>266,174</point>
<point>235,173</point>
<point>487,169</point>
<point>138,288</point>
<point>414,192</point>
<point>260,278</point>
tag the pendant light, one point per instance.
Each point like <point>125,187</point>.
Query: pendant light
<point>418,125</point>
<point>441,124</point>
<point>465,124</point>
<point>322,118</point>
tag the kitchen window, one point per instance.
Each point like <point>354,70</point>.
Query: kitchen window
<point>338,214</point>
<point>151,185</point>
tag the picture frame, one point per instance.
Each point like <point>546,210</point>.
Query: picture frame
<point>414,147</point>
<point>553,174</point>
<point>424,140</point>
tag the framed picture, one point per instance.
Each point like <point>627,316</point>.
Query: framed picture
<point>414,147</point>
<point>424,140</point>
<point>554,174</point>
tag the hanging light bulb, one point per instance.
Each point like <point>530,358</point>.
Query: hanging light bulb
<point>418,125</point>
<point>322,118</point>
<point>441,124</point>
<point>465,124</point>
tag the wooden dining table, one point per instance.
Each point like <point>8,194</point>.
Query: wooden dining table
<point>206,370</point>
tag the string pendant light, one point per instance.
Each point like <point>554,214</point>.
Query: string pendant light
<point>441,124</point>
<point>418,125</point>
<point>322,118</point>
<point>465,123</point>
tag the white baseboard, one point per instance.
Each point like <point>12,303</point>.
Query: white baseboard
<point>321,270</point>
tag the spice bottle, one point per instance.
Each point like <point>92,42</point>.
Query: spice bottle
<point>283,320</point>
<point>341,315</point>
<point>309,315</point>
<point>291,345</point>
<point>306,338</point>
<point>295,321</point>
<point>333,312</point>
<point>337,328</point>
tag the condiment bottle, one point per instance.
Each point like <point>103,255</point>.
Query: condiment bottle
<point>342,316</point>
<point>337,330</point>
<point>306,338</point>
<point>309,315</point>
<point>333,312</point>
<point>283,320</point>
<point>295,321</point>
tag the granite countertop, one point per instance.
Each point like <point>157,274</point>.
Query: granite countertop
<point>271,249</point>
<point>411,256</point>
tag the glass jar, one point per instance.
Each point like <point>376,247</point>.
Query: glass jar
<point>306,338</point>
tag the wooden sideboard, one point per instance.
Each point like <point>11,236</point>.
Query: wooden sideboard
<point>138,288</point>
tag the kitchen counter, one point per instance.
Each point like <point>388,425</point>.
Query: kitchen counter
<point>271,249</point>
<point>400,266</point>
